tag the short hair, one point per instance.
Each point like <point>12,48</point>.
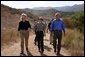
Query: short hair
<point>22,15</point>
<point>41,18</point>
<point>57,14</point>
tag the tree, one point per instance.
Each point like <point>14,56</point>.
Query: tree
<point>78,19</point>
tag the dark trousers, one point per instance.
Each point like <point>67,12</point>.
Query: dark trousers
<point>36,40</point>
<point>57,36</point>
<point>40,35</point>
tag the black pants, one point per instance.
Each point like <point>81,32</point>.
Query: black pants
<point>40,35</point>
<point>36,40</point>
<point>57,36</point>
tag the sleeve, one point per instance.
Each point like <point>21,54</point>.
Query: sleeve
<point>51,26</point>
<point>19,26</point>
<point>34,28</point>
<point>29,26</point>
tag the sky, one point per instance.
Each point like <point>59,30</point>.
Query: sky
<point>32,4</point>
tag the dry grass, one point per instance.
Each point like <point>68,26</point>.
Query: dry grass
<point>74,42</point>
<point>9,36</point>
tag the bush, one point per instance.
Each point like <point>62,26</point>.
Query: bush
<point>68,22</point>
<point>78,20</point>
<point>9,36</point>
<point>74,42</point>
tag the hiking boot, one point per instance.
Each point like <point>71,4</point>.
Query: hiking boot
<point>27,49</point>
<point>35,43</point>
<point>58,53</point>
<point>55,50</point>
<point>39,50</point>
<point>22,54</point>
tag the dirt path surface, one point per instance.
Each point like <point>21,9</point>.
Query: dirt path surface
<point>14,50</point>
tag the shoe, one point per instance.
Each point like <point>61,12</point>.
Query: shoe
<point>35,43</point>
<point>51,43</point>
<point>55,51</point>
<point>42,52</point>
<point>39,50</point>
<point>27,49</point>
<point>58,53</point>
<point>21,54</point>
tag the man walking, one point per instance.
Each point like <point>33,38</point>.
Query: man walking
<point>40,27</point>
<point>57,27</point>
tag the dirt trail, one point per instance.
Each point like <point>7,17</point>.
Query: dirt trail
<point>14,50</point>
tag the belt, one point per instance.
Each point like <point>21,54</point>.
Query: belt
<point>57,30</point>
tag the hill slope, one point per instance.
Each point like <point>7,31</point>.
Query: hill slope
<point>11,16</point>
<point>73,8</point>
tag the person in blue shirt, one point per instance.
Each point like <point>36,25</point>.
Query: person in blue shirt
<point>57,27</point>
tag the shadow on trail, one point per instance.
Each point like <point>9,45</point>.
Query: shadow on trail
<point>43,54</point>
<point>60,55</point>
<point>46,39</point>
<point>23,54</point>
<point>29,53</point>
<point>47,48</point>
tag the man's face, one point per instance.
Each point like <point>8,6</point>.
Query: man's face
<point>57,16</point>
<point>23,17</point>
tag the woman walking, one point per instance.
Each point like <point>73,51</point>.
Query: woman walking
<point>23,28</point>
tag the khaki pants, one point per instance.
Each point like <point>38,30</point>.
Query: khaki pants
<point>24,34</point>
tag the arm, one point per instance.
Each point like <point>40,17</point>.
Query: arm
<point>51,26</point>
<point>29,25</point>
<point>45,28</point>
<point>19,26</point>
<point>48,27</point>
<point>34,27</point>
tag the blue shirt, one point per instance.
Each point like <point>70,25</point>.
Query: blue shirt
<point>57,25</point>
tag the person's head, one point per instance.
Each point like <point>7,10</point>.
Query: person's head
<point>57,15</point>
<point>23,16</point>
<point>41,18</point>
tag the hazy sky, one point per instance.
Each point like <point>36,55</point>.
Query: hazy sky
<point>31,4</point>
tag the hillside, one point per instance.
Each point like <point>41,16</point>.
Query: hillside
<point>73,8</point>
<point>42,8</point>
<point>48,13</point>
<point>11,16</point>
